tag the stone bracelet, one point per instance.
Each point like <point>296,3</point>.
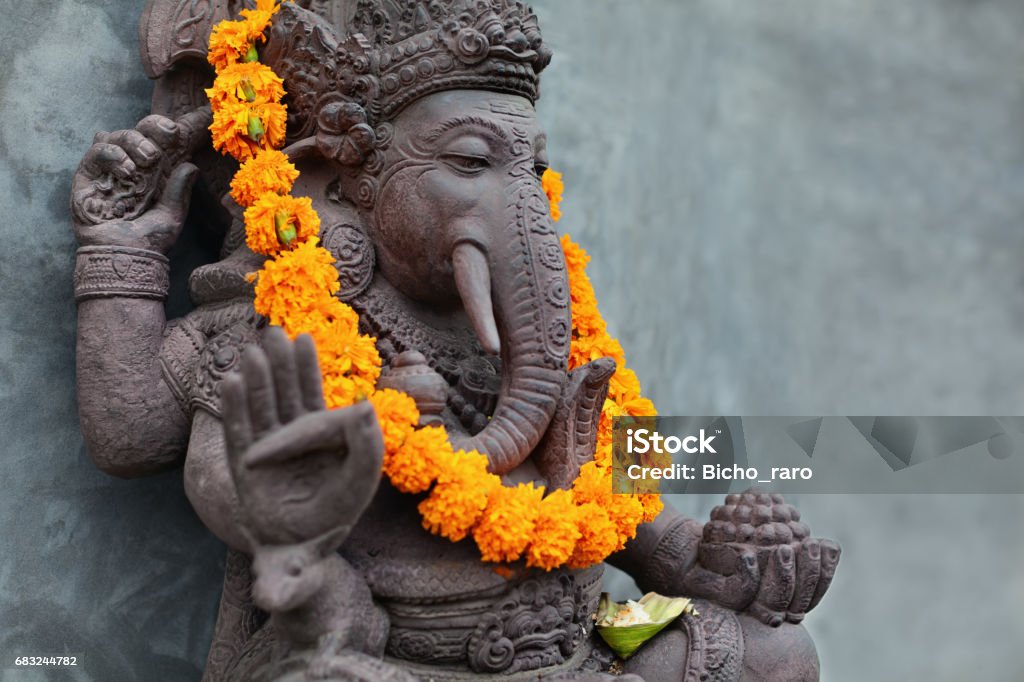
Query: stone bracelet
<point>664,564</point>
<point>120,272</point>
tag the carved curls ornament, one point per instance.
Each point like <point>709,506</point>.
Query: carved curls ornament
<point>353,257</point>
<point>343,134</point>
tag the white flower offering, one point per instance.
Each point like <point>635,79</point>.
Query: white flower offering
<point>628,626</point>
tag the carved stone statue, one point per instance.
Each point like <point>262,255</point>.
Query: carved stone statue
<point>413,124</point>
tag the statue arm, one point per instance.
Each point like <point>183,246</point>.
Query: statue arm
<point>661,552</point>
<point>132,422</point>
<point>130,196</point>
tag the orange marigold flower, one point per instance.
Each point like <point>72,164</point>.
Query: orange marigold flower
<point>460,496</point>
<point>414,464</point>
<point>246,82</point>
<point>269,172</point>
<point>269,6</point>
<point>335,317</point>
<point>553,187</point>
<point>231,41</point>
<point>598,537</point>
<point>341,390</point>
<point>626,512</point>
<point>575,257</point>
<point>507,524</point>
<point>241,129</point>
<point>352,355</point>
<point>653,506</point>
<point>350,364</point>
<point>593,484</point>
<point>451,509</point>
<point>639,407</point>
<point>397,415</point>
<point>363,355</point>
<point>275,222</point>
<point>555,533</point>
<point>605,423</point>
<point>462,465</point>
<point>291,287</point>
<point>589,348</point>
<point>624,388</point>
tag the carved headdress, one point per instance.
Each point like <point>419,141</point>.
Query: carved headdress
<point>381,55</point>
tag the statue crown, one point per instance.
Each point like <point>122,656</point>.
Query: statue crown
<point>384,54</point>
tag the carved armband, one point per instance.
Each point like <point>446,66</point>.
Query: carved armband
<point>120,272</point>
<point>676,548</point>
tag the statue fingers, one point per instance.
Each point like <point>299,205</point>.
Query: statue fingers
<point>777,586</point>
<point>808,569</point>
<point>103,159</point>
<point>235,416</point>
<point>285,372</point>
<point>307,368</point>
<point>260,393</point>
<point>305,435</point>
<point>350,429</point>
<point>177,193</point>
<point>182,137</point>
<point>830,553</point>
<point>365,436</point>
<point>736,590</point>
<point>161,130</point>
<point>142,151</point>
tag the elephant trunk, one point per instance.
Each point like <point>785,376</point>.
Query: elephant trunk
<point>515,291</point>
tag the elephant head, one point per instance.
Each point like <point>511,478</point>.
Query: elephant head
<point>461,221</point>
<point>430,124</point>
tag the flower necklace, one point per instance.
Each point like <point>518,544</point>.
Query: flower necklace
<point>296,290</point>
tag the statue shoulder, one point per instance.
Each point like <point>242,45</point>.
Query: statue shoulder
<point>174,30</point>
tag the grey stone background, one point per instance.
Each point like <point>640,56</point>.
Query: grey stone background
<point>794,207</point>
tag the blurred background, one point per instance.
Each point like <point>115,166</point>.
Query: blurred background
<point>793,207</point>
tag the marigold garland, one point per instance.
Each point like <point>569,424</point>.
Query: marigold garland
<point>269,172</point>
<point>553,187</point>
<point>296,290</point>
<point>277,220</point>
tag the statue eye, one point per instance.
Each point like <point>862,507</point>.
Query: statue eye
<point>466,163</point>
<point>294,568</point>
<point>539,167</point>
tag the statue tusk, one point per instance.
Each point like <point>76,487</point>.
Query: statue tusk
<point>473,279</point>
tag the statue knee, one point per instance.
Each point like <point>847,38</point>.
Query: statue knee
<point>783,653</point>
<point>723,646</point>
<point>663,659</point>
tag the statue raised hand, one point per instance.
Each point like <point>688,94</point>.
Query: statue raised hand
<point>132,188</point>
<point>301,471</point>
<point>303,475</point>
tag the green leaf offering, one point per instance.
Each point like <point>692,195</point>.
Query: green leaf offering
<point>628,626</point>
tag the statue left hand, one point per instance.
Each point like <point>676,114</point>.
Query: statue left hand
<point>757,556</point>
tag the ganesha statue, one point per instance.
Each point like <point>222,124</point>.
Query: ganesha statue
<point>411,132</point>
